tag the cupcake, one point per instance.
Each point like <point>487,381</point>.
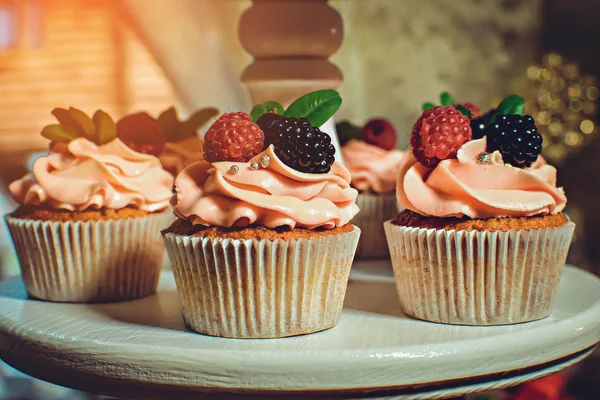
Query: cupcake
<point>374,163</point>
<point>483,239</point>
<point>87,228</point>
<point>263,245</point>
<point>182,145</point>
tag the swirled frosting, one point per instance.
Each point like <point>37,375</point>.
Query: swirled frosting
<point>462,187</point>
<point>372,168</point>
<point>81,175</point>
<point>178,155</point>
<point>212,195</point>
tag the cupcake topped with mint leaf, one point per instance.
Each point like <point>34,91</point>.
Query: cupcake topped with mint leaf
<point>371,156</point>
<point>269,205</point>
<point>483,238</point>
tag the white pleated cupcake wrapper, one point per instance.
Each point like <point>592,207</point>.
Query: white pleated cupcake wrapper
<point>91,261</point>
<point>478,278</point>
<point>374,211</point>
<point>261,288</point>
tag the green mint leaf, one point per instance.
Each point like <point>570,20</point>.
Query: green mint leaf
<point>264,108</point>
<point>464,110</point>
<point>347,131</point>
<point>513,104</point>
<point>317,106</point>
<point>427,106</point>
<point>446,99</point>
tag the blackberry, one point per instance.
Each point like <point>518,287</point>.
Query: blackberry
<point>266,120</point>
<point>479,124</point>
<point>299,145</point>
<point>517,139</point>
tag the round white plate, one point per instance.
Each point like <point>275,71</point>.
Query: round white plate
<point>141,348</point>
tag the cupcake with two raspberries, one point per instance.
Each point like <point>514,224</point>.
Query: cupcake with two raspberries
<point>483,239</point>
<point>263,244</point>
<point>87,228</point>
<point>175,142</point>
<point>371,156</point>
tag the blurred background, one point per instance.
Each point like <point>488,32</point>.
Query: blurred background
<point>128,55</point>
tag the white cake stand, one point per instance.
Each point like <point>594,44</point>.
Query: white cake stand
<point>140,349</point>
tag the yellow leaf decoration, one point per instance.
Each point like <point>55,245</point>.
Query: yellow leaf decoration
<point>67,122</point>
<point>176,130</point>
<point>85,123</point>
<point>106,129</point>
<point>74,123</point>
<point>56,133</point>
<point>170,124</point>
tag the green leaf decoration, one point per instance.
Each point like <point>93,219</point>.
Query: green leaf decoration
<point>264,108</point>
<point>106,129</point>
<point>317,106</point>
<point>56,133</point>
<point>513,104</point>
<point>464,110</point>
<point>197,120</point>
<point>446,99</point>
<point>427,106</point>
<point>346,131</point>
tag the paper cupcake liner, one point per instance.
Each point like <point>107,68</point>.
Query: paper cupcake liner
<point>91,261</point>
<point>261,288</point>
<point>374,211</point>
<point>478,278</point>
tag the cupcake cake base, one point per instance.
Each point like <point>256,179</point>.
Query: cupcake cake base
<point>89,256</point>
<point>375,209</point>
<point>473,272</point>
<point>258,282</point>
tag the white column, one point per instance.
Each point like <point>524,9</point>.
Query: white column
<point>291,42</point>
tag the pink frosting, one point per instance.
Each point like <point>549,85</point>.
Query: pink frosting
<point>81,175</point>
<point>178,155</point>
<point>211,195</point>
<point>462,187</point>
<point>372,168</point>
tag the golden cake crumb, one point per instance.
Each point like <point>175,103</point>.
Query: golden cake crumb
<point>184,227</point>
<point>103,214</point>
<point>414,220</point>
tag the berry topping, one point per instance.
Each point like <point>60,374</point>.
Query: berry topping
<point>233,137</point>
<point>438,134</point>
<point>300,145</point>
<point>267,120</point>
<point>479,124</point>
<point>142,133</point>
<point>381,133</point>
<point>517,139</point>
<point>473,109</point>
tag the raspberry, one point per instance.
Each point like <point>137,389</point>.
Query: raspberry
<point>300,145</point>
<point>479,124</point>
<point>438,134</point>
<point>381,133</point>
<point>141,133</point>
<point>517,139</point>
<point>233,137</point>
<point>475,111</point>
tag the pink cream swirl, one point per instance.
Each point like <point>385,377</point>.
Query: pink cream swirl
<point>462,187</point>
<point>274,196</point>
<point>372,168</point>
<point>81,175</point>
